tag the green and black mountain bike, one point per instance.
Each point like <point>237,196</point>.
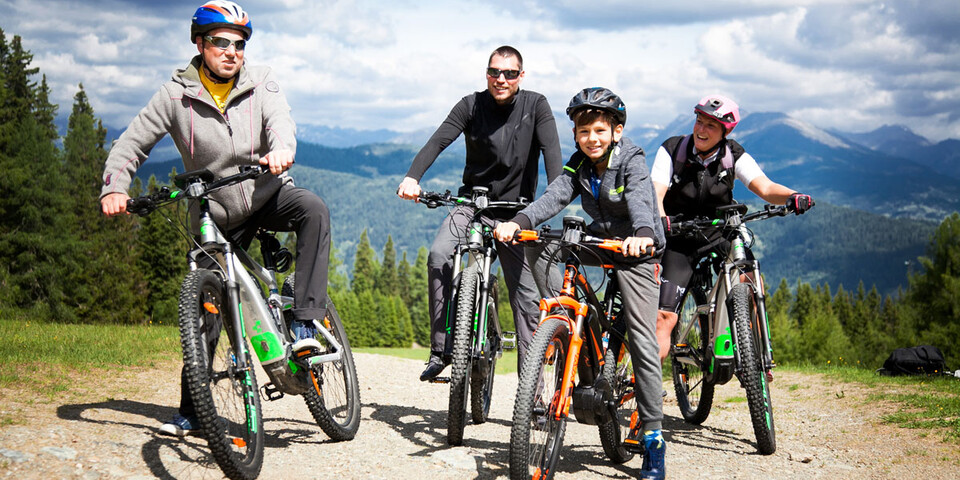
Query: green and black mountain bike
<point>722,329</point>
<point>229,304</point>
<point>472,321</point>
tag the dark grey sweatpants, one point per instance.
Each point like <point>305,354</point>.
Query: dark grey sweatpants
<point>524,299</point>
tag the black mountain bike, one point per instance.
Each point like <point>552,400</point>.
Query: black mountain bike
<point>722,329</point>
<point>474,337</point>
<point>224,311</point>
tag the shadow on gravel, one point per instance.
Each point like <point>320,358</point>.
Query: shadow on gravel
<point>166,457</point>
<point>676,430</point>
<point>428,429</point>
<point>153,414</point>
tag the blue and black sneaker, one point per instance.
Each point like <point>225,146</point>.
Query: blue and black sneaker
<point>654,455</point>
<point>181,426</point>
<point>304,331</point>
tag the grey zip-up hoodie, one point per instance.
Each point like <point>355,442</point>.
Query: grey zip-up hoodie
<point>627,204</point>
<point>255,122</point>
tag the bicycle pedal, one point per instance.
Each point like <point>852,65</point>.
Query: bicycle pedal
<point>440,380</point>
<point>509,340</point>
<point>633,446</point>
<point>270,392</point>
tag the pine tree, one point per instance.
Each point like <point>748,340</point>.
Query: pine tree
<point>934,292</point>
<point>364,266</point>
<point>418,303</point>
<point>33,204</point>
<point>337,280</point>
<point>104,283</point>
<point>388,280</point>
<point>160,259</point>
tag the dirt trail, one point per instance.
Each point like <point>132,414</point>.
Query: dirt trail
<point>108,430</point>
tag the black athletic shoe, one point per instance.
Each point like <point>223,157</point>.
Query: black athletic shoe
<point>434,366</point>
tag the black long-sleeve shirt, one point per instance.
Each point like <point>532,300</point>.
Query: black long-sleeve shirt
<point>503,143</point>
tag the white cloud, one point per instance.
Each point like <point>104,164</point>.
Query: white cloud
<point>846,64</point>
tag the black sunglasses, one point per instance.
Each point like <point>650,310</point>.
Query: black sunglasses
<point>508,74</point>
<point>224,43</point>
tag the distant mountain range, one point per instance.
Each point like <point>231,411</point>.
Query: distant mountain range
<point>906,183</point>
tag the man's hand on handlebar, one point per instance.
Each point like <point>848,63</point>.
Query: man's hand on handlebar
<point>114,204</point>
<point>636,246</point>
<point>409,189</point>
<point>505,231</point>
<point>278,161</point>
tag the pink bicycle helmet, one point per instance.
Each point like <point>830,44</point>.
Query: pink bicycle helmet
<point>720,108</point>
<point>220,14</point>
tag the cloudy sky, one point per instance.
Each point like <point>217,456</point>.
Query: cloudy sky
<point>853,65</point>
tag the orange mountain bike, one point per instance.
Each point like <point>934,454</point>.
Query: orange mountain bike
<point>578,358</point>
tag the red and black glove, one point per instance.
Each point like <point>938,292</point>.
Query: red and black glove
<point>799,203</point>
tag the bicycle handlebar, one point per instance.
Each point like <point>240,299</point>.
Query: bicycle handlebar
<point>700,223</point>
<point>544,234</point>
<point>145,204</point>
<point>480,201</point>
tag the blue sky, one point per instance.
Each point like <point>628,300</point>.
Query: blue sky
<point>401,65</point>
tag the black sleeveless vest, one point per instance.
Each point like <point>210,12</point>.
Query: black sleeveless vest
<point>697,190</point>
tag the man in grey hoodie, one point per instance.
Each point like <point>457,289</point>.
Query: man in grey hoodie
<point>223,115</point>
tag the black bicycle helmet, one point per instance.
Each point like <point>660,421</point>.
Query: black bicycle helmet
<point>598,97</point>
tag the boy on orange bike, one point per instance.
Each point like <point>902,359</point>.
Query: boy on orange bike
<point>610,175</point>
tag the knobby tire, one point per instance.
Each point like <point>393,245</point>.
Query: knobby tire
<point>461,365</point>
<point>618,370</point>
<point>752,376</point>
<point>537,434</point>
<point>694,392</point>
<point>334,400</point>
<point>226,399</point>
<point>481,381</point>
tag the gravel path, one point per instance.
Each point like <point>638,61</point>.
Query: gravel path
<point>107,429</point>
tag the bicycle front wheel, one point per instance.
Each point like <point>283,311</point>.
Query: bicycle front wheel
<point>223,392</point>
<point>538,427</point>
<point>462,364</point>
<point>752,376</point>
<point>689,358</point>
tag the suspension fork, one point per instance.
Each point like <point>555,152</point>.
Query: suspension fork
<point>480,322</point>
<point>236,312</point>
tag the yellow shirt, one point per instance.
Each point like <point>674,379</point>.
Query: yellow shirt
<point>219,91</point>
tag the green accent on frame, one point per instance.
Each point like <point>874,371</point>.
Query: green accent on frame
<point>268,346</point>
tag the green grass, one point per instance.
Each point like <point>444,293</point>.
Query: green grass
<point>29,344</point>
<point>506,364</point>
<point>923,402</point>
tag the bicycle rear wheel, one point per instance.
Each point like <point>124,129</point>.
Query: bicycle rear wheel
<point>224,394</point>
<point>481,381</point>
<point>618,370</point>
<point>537,432</point>
<point>334,400</point>
<point>752,376</point>
<point>462,364</point>
<point>689,357</point>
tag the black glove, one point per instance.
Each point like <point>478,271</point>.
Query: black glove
<point>669,225</point>
<point>799,203</point>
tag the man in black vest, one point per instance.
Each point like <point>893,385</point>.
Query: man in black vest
<point>693,175</point>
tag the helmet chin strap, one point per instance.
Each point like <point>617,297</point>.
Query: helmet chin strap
<point>213,76</point>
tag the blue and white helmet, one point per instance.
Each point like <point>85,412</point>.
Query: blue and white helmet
<point>220,14</point>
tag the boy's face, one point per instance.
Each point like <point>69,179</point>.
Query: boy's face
<point>595,138</point>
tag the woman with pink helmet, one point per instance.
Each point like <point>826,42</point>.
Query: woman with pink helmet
<point>693,175</point>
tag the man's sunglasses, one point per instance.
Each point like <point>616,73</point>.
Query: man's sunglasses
<point>224,43</point>
<point>508,74</point>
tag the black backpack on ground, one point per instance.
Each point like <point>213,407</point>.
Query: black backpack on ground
<point>921,360</point>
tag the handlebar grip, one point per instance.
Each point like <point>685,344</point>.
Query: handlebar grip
<point>526,236</point>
